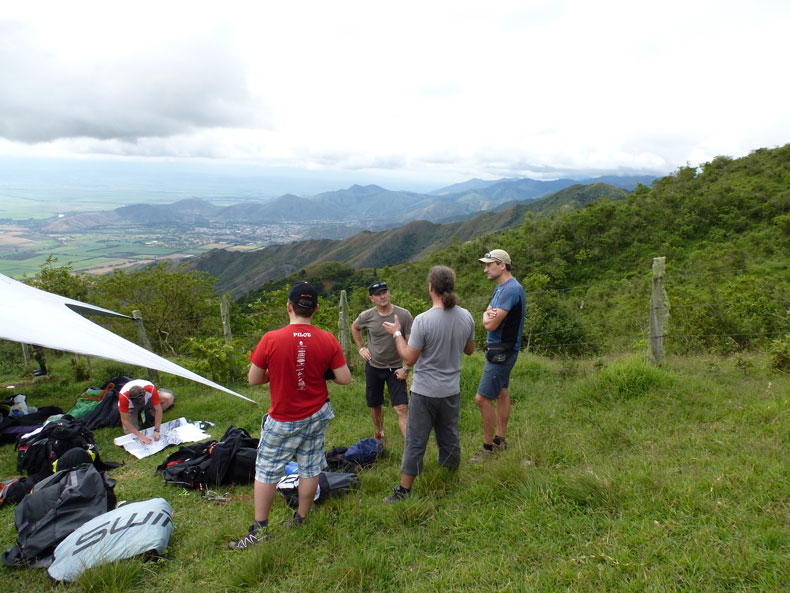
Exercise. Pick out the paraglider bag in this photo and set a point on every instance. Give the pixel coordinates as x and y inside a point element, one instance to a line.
<point>497,352</point>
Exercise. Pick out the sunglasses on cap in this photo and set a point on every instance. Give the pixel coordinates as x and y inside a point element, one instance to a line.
<point>374,288</point>
<point>489,256</point>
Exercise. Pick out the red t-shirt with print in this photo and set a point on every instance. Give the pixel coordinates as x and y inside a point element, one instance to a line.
<point>297,356</point>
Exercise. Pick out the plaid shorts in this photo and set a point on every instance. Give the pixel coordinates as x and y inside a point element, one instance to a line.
<point>282,441</point>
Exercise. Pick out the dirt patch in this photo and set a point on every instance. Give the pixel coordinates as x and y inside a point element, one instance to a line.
<point>109,268</point>
<point>11,235</point>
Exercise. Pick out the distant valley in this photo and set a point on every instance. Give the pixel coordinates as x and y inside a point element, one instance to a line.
<point>137,234</point>
<point>239,273</point>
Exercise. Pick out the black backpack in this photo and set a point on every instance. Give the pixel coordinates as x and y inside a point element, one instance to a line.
<point>56,507</point>
<point>106,413</point>
<point>12,427</point>
<point>36,452</point>
<point>231,460</point>
<point>13,490</point>
<point>330,484</point>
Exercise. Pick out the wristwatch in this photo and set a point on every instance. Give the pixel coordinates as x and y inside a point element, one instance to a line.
<point>396,334</point>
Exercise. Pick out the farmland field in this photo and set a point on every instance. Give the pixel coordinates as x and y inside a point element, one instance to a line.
<point>23,253</point>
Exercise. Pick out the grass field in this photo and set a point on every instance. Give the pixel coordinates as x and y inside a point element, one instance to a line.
<point>18,205</point>
<point>619,477</point>
<point>97,252</point>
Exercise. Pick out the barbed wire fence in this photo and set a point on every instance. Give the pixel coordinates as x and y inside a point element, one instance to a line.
<point>651,314</point>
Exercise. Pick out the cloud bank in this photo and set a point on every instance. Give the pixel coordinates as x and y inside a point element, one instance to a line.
<point>458,89</point>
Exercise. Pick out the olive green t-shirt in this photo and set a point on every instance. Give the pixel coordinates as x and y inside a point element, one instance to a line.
<point>383,352</point>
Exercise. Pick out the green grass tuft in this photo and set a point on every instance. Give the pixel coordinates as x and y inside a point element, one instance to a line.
<point>625,380</point>
<point>115,577</point>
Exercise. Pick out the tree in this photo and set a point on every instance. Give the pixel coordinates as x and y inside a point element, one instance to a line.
<point>175,305</point>
<point>62,280</point>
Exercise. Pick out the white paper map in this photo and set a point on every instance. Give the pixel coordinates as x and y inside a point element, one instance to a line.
<point>174,432</point>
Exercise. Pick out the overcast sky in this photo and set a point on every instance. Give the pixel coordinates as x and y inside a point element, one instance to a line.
<point>450,90</point>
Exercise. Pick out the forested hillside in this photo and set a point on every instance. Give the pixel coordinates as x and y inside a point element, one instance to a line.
<point>724,230</point>
<point>239,273</point>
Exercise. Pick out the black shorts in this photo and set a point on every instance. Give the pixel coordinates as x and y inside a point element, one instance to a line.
<point>374,386</point>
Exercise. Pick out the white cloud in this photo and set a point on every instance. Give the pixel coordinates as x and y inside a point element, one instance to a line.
<point>468,88</point>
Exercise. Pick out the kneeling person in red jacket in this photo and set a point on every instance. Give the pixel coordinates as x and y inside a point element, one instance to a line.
<point>141,395</point>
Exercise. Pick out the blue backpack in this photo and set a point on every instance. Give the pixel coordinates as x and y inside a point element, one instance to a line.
<point>364,453</point>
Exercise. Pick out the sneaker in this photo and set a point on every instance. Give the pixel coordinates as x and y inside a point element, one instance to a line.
<point>254,536</point>
<point>500,443</point>
<point>482,454</point>
<point>296,521</point>
<point>400,493</point>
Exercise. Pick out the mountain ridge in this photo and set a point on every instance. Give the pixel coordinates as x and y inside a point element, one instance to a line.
<point>240,273</point>
<point>355,208</point>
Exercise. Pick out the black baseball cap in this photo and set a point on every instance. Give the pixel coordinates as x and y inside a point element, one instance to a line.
<point>303,294</point>
<point>377,287</point>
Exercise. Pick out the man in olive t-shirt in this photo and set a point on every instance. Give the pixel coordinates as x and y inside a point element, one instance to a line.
<point>382,362</point>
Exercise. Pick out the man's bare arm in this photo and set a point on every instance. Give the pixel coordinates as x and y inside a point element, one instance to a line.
<point>257,375</point>
<point>130,429</point>
<point>408,354</point>
<point>356,334</point>
<point>342,375</point>
<point>493,318</point>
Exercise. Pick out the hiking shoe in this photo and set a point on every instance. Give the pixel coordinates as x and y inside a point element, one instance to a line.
<point>500,443</point>
<point>400,493</point>
<point>482,454</point>
<point>254,536</point>
<point>296,521</point>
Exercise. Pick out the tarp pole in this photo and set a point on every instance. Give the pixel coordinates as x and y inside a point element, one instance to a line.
<point>26,354</point>
<point>153,374</point>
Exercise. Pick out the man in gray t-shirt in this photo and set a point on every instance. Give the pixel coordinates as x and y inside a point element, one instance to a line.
<point>439,338</point>
<point>383,364</point>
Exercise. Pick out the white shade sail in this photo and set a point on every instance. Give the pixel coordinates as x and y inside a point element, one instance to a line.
<point>34,316</point>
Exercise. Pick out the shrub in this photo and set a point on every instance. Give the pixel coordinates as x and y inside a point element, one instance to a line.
<point>220,360</point>
<point>626,380</point>
<point>779,354</point>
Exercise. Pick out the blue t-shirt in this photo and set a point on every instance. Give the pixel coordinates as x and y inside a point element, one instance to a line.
<point>511,297</point>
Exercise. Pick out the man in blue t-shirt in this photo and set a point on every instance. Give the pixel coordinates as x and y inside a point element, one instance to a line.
<point>504,322</point>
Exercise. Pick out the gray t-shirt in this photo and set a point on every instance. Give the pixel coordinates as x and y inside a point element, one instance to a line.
<point>441,336</point>
<point>383,352</point>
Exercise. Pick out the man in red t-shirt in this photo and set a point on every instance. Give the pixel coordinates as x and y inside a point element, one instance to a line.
<point>137,396</point>
<point>296,361</point>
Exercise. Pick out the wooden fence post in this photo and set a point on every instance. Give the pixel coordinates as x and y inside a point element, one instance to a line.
<point>153,374</point>
<point>343,323</point>
<point>659,313</point>
<point>87,362</point>
<point>223,308</point>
